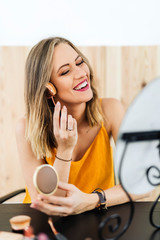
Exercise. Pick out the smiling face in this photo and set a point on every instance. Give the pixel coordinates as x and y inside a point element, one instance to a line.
<point>70,76</point>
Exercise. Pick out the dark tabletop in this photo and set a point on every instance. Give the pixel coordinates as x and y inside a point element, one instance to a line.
<point>85,225</point>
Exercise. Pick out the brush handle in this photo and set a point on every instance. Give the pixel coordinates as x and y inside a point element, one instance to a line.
<point>60,236</point>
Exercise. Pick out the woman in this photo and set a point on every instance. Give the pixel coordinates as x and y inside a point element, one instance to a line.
<point>72,135</point>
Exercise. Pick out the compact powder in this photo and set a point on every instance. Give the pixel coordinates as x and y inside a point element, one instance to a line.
<point>45,179</point>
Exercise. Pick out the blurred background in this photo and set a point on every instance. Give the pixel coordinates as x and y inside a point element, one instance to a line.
<point>120,38</point>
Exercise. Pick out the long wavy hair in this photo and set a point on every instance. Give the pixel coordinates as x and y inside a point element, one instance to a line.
<point>39,110</point>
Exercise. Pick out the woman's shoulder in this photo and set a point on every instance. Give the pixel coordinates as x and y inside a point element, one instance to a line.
<point>113,111</point>
<point>111,103</point>
<point>20,126</point>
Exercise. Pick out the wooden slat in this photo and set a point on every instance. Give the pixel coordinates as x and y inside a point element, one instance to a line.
<point>139,67</point>
<point>12,107</point>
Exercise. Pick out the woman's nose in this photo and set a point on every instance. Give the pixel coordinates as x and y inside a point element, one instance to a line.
<point>79,72</point>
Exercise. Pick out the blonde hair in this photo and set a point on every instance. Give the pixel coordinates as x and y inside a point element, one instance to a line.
<point>39,112</point>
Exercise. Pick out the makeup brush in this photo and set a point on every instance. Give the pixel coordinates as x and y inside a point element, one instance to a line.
<point>58,235</point>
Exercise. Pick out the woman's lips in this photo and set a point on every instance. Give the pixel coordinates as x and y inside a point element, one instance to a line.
<point>82,89</point>
<point>82,86</point>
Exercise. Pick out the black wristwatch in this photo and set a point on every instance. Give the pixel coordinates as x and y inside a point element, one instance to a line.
<point>102,199</point>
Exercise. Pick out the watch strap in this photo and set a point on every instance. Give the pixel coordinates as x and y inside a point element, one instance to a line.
<point>102,199</point>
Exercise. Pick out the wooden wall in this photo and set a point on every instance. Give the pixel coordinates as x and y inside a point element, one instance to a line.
<point>120,72</point>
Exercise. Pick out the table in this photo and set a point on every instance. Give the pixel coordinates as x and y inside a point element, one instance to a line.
<point>85,225</point>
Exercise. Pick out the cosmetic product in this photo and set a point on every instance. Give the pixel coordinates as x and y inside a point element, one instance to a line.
<point>20,222</point>
<point>45,179</point>
<point>58,235</point>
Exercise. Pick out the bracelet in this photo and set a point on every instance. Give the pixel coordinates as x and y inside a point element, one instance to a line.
<point>64,160</point>
<point>102,199</point>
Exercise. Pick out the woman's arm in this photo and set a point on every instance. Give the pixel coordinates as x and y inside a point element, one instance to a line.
<point>28,160</point>
<point>77,201</point>
<point>66,141</point>
<point>116,195</point>
<point>114,112</point>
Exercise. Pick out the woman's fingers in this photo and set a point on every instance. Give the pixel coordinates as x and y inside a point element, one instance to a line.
<point>74,202</point>
<point>55,205</point>
<point>63,121</point>
<point>65,128</point>
<point>74,125</point>
<point>50,209</point>
<point>56,117</point>
<point>70,123</point>
<point>65,186</point>
<point>56,200</point>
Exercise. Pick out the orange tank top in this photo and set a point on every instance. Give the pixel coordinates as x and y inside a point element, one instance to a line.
<point>94,170</point>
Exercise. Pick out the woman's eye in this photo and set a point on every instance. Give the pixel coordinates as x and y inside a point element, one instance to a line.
<point>80,62</point>
<point>64,72</point>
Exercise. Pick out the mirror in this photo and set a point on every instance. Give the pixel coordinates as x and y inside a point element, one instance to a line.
<point>143,115</point>
<point>45,179</point>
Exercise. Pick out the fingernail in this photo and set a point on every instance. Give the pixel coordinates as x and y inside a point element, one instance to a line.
<point>64,107</point>
<point>58,103</point>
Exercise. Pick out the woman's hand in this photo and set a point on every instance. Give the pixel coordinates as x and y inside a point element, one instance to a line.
<point>75,201</point>
<point>65,129</point>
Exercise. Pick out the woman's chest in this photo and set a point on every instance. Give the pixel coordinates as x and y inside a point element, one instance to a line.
<point>84,142</point>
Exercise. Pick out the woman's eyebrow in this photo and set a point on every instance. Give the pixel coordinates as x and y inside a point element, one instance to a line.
<point>67,63</point>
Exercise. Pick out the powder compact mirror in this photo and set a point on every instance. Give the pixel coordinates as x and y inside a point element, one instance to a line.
<point>45,179</point>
